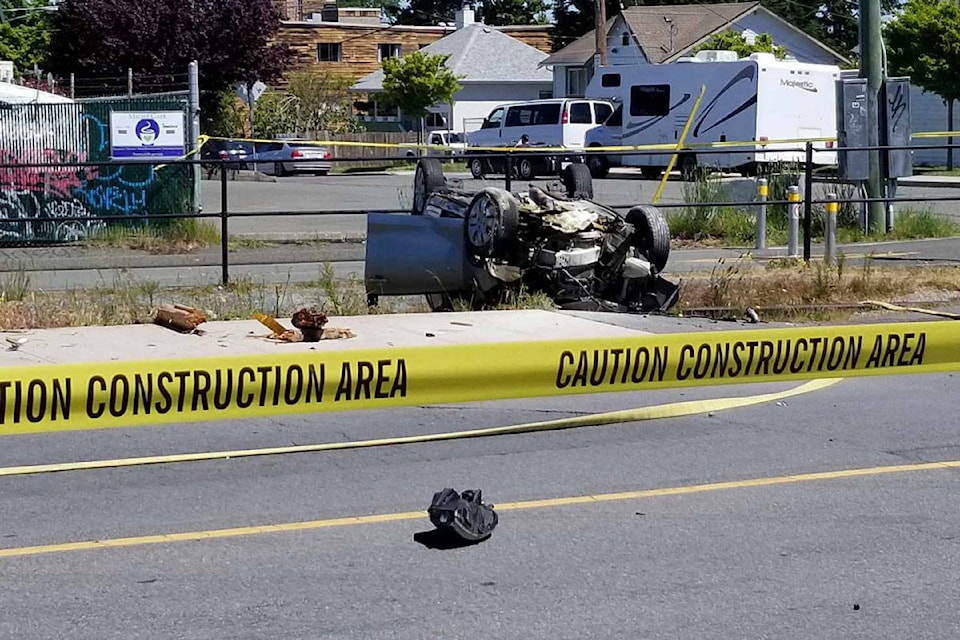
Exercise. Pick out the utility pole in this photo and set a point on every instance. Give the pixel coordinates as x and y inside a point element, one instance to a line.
<point>193,127</point>
<point>600,26</point>
<point>871,68</point>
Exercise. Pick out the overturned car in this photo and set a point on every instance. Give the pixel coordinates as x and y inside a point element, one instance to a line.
<point>476,246</point>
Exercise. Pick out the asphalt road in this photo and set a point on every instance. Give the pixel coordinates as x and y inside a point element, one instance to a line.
<point>844,556</point>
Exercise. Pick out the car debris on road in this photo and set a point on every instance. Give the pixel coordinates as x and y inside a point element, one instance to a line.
<point>464,514</point>
<point>474,247</point>
<point>309,326</point>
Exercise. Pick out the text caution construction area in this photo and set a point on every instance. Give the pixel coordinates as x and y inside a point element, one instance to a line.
<point>120,394</point>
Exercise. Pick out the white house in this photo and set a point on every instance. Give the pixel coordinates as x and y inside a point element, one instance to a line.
<point>492,68</point>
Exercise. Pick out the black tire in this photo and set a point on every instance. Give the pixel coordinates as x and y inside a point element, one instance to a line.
<point>599,166</point>
<point>577,181</point>
<point>651,235</point>
<point>477,168</point>
<point>439,302</point>
<point>491,223</point>
<point>525,168</point>
<point>651,173</point>
<point>689,170</point>
<point>427,180</point>
<point>278,169</point>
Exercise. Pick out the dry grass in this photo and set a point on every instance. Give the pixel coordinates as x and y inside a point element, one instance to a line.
<point>175,237</point>
<point>796,292</point>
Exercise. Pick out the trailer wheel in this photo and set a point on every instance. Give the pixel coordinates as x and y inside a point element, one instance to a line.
<point>492,222</point>
<point>599,166</point>
<point>688,167</point>
<point>428,179</point>
<point>651,235</point>
<point>577,180</point>
<point>476,168</point>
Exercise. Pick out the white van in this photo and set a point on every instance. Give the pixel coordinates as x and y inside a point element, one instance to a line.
<point>544,123</point>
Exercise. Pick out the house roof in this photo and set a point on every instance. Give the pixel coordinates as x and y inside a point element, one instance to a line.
<point>667,32</point>
<point>479,53</point>
<point>16,94</point>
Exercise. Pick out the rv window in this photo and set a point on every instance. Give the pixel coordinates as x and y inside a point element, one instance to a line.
<point>603,111</point>
<point>492,121</point>
<point>610,79</point>
<point>580,113</point>
<point>650,100</point>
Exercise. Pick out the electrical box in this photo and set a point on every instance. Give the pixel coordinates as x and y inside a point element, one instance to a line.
<point>897,126</point>
<point>852,163</point>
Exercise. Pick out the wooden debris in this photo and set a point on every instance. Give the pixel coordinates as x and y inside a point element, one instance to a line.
<point>178,317</point>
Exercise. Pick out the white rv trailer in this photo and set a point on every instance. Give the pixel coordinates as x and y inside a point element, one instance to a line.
<point>750,100</point>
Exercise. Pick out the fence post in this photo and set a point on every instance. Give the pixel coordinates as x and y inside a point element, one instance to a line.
<point>129,82</point>
<point>830,246</point>
<point>224,249</point>
<point>761,228</point>
<point>793,221</point>
<point>808,201</point>
<point>508,164</point>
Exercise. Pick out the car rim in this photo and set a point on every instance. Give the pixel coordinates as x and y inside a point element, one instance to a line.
<point>482,221</point>
<point>476,167</point>
<point>525,168</point>
<point>419,191</point>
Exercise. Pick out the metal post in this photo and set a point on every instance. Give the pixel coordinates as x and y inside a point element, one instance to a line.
<point>193,127</point>
<point>224,249</point>
<point>830,246</point>
<point>129,82</point>
<point>793,221</point>
<point>508,162</point>
<point>808,201</point>
<point>871,68</point>
<point>761,228</point>
<point>73,86</point>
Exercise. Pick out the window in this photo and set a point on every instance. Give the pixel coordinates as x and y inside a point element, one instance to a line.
<point>436,139</point>
<point>650,100</point>
<point>576,81</point>
<point>603,111</point>
<point>533,114</point>
<point>580,113</point>
<point>492,121</point>
<point>328,52</point>
<point>435,120</point>
<point>610,80</point>
<point>624,40</point>
<point>388,50</point>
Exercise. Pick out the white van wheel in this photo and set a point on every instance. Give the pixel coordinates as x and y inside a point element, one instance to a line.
<point>476,168</point>
<point>525,169</point>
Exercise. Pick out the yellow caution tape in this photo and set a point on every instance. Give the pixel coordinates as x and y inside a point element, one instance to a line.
<point>679,145</point>
<point>97,395</point>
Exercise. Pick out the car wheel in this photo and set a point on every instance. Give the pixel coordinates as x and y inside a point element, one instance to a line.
<point>599,166</point>
<point>427,179</point>
<point>577,181</point>
<point>476,168</point>
<point>278,169</point>
<point>320,173</point>
<point>492,222</point>
<point>651,173</point>
<point>525,169</point>
<point>651,235</point>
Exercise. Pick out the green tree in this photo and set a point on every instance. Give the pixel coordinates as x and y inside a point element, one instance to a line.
<point>312,102</point>
<point>574,18</point>
<point>418,81</point>
<point>733,41</point>
<point>492,12</point>
<point>24,33</point>
<point>923,42</point>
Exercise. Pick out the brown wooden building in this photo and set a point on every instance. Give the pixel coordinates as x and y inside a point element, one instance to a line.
<point>354,47</point>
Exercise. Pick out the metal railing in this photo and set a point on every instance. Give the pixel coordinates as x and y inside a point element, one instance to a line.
<point>14,176</point>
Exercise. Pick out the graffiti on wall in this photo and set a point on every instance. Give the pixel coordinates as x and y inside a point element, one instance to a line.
<point>55,199</point>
